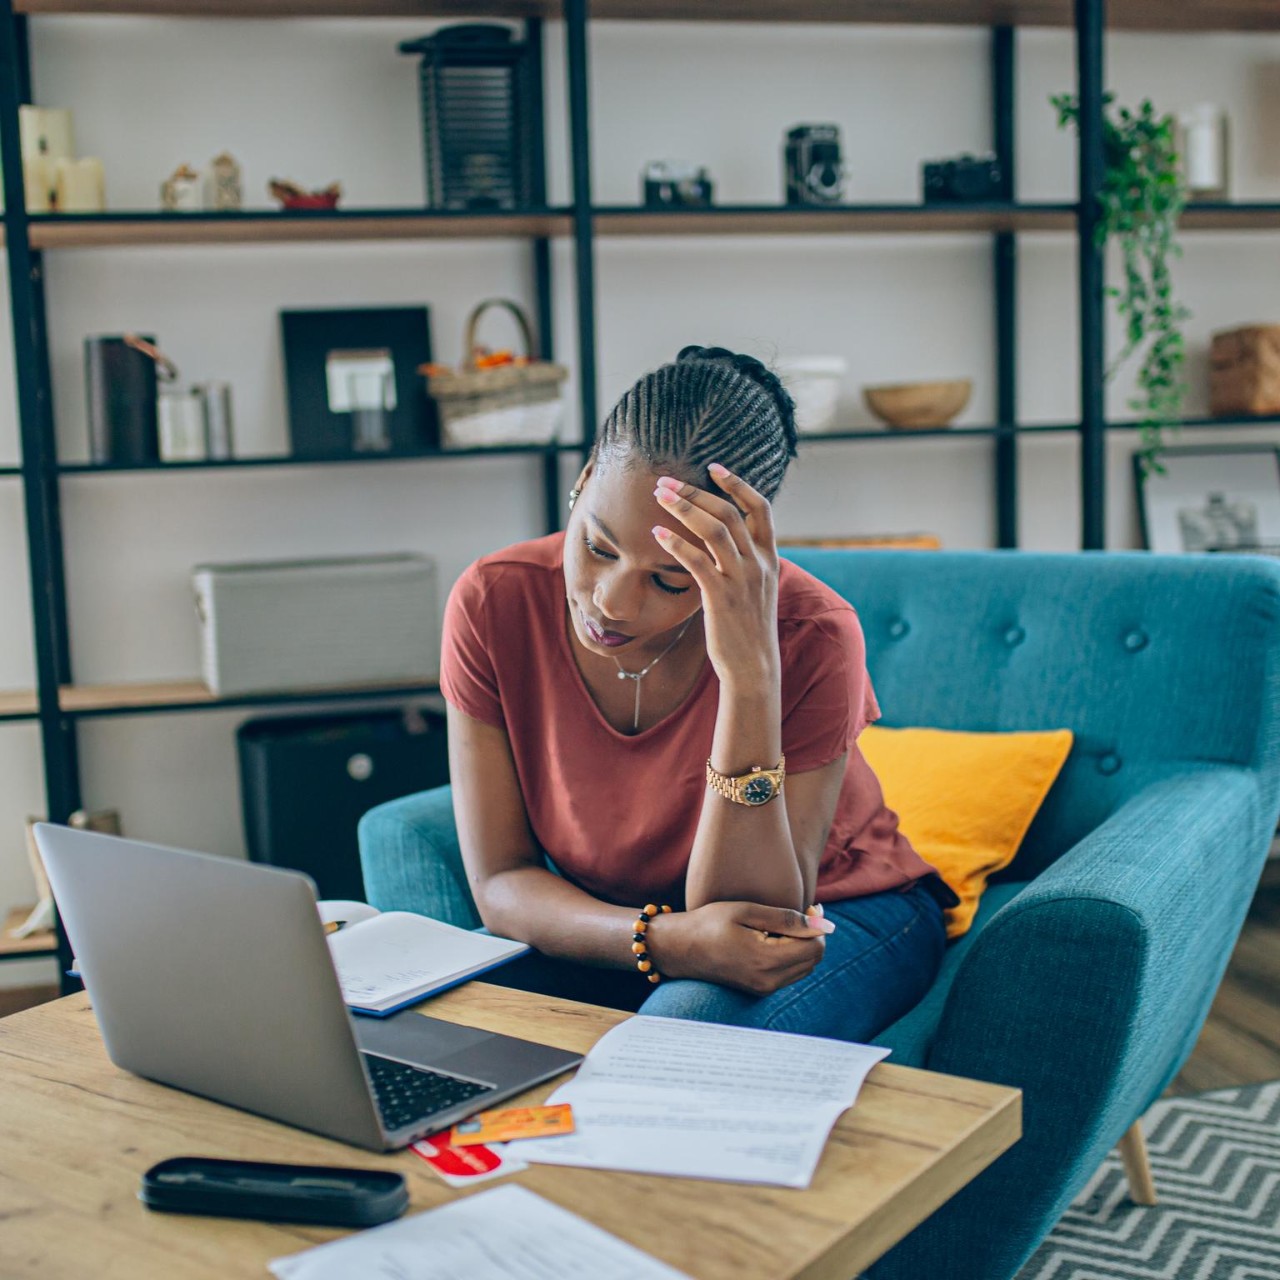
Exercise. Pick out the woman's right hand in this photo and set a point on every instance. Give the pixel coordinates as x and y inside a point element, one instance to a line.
<point>744,945</point>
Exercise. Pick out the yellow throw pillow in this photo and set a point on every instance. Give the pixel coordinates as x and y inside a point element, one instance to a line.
<point>965,800</point>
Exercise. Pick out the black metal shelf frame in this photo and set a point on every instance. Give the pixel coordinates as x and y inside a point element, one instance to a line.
<point>41,473</point>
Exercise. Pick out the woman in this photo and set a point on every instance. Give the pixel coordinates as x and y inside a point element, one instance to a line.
<point>652,738</point>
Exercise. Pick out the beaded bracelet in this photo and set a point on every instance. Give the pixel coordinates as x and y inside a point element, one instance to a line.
<point>638,947</point>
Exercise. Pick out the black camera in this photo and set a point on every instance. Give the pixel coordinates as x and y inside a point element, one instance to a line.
<point>964,180</point>
<point>669,184</point>
<point>811,165</point>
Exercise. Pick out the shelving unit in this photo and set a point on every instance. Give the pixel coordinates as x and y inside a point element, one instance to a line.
<point>122,230</point>
<point>58,703</point>
<point>30,948</point>
<point>288,460</point>
<point>1124,15</point>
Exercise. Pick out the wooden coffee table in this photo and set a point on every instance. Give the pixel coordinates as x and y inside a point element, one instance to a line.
<point>77,1133</point>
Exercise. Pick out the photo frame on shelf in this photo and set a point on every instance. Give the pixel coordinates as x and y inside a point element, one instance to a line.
<point>383,406</point>
<point>1211,498</point>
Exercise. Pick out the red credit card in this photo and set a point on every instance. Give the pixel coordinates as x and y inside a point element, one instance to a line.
<point>465,1166</point>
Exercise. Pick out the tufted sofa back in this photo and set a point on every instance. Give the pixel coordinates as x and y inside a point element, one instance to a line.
<point>1142,656</point>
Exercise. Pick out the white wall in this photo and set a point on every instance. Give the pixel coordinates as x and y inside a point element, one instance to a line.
<point>315,101</point>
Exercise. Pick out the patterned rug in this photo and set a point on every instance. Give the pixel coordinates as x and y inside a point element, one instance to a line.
<point>1216,1161</point>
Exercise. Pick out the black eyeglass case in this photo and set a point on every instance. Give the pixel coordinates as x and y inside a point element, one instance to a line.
<point>304,1193</point>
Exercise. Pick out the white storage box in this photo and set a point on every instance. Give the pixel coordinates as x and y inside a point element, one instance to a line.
<point>303,624</point>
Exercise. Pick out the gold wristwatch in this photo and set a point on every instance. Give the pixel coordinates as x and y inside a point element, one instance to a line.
<point>757,787</point>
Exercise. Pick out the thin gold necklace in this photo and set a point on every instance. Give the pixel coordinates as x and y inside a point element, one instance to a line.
<point>637,676</point>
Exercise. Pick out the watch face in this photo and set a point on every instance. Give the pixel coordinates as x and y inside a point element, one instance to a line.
<point>758,790</point>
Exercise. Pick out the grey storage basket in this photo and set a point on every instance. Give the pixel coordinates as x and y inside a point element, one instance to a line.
<point>287,625</point>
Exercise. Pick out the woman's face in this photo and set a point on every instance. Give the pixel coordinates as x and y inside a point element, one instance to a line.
<point>626,593</point>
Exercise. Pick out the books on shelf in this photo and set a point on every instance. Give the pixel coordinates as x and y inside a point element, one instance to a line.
<point>391,959</point>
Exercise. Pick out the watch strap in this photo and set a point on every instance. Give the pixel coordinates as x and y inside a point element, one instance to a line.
<point>735,787</point>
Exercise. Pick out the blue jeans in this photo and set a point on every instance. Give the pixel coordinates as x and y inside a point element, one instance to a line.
<point>879,962</point>
<point>882,958</point>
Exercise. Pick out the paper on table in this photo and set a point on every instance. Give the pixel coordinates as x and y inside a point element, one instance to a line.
<point>700,1100</point>
<point>508,1233</point>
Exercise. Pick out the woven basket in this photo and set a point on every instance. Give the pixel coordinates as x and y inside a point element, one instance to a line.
<point>517,403</point>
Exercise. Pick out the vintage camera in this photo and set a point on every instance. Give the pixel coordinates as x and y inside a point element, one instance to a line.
<point>963,180</point>
<point>672,184</point>
<point>811,165</point>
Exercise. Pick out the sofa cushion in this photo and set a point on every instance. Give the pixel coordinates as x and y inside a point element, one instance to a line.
<point>965,800</point>
<point>911,1036</point>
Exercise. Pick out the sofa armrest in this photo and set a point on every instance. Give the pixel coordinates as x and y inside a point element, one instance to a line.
<point>1087,992</point>
<point>411,861</point>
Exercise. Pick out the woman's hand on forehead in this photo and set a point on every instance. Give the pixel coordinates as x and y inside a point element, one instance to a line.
<point>736,567</point>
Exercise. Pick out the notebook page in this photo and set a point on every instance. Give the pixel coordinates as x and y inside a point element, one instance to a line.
<point>395,954</point>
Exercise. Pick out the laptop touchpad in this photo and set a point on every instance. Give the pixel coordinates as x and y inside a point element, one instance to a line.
<point>421,1040</point>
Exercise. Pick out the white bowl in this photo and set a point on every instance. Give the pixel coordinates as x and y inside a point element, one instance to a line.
<point>814,384</point>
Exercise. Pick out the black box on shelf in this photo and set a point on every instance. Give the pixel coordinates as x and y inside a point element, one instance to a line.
<point>964,180</point>
<point>306,781</point>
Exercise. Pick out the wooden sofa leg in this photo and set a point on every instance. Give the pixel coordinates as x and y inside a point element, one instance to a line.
<point>1137,1167</point>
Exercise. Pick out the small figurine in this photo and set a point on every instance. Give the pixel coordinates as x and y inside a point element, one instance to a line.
<point>223,189</point>
<point>292,196</point>
<point>180,191</point>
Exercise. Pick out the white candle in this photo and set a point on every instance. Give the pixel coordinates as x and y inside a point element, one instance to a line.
<point>46,131</point>
<point>38,182</point>
<point>81,185</point>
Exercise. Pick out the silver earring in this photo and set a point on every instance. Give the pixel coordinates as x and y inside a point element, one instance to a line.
<point>574,495</point>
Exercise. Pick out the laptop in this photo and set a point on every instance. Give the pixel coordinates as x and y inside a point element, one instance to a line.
<point>213,975</point>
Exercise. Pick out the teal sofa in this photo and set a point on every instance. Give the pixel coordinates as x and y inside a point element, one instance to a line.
<point>1095,956</point>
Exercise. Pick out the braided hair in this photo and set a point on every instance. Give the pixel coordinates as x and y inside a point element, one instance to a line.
<point>709,405</point>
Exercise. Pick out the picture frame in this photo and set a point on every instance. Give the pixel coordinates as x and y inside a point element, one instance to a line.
<point>1211,498</point>
<point>398,336</point>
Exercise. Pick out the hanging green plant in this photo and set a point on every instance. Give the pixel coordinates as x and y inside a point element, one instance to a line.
<point>1142,198</point>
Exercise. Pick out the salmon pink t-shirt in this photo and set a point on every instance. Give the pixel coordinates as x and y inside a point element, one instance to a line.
<point>617,813</point>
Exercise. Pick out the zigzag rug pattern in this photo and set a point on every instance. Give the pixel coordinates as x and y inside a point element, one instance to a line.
<point>1216,1161</point>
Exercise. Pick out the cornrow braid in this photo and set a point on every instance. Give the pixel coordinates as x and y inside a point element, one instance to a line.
<point>709,405</point>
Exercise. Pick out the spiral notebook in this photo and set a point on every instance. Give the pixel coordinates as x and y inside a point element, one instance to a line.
<point>389,959</point>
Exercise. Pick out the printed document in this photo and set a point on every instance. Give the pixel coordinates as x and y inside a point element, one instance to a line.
<point>508,1233</point>
<point>700,1100</point>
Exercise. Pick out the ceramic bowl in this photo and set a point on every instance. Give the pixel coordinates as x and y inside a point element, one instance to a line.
<point>913,406</point>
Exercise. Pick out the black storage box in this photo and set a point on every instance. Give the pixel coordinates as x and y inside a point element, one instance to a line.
<point>306,781</point>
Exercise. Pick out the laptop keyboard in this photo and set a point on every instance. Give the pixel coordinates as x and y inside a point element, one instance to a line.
<point>408,1095</point>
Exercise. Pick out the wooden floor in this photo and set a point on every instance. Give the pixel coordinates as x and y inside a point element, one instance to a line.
<point>1240,1043</point>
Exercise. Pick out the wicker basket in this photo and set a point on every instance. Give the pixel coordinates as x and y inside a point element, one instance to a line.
<point>517,403</point>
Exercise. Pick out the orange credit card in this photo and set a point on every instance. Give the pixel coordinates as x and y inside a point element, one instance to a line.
<point>511,1124</point>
